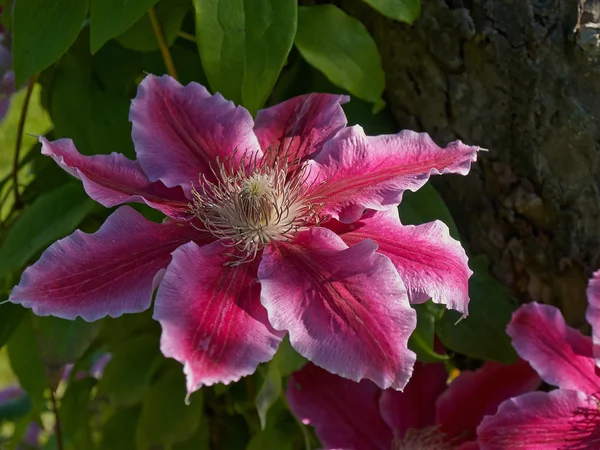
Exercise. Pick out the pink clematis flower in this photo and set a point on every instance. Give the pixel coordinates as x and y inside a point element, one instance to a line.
<point>566,418</point>
<point>428,415</point>
<point>266,235</point>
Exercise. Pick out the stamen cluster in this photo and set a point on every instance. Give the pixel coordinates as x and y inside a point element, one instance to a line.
<point>254,202</point>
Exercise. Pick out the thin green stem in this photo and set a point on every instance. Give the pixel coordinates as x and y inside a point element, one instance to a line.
<point>162,43</point>
<point>57,426</point>
<point>187,36</point>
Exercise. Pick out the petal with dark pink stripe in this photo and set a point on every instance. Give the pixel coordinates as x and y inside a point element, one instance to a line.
<point>346,309</point>
<point>108,273</point>
<point>430,262</point>
<point>301,126</point>
<point>474,394</point>
<point>593,313</point>
<point>415,407</point>
<point>211,316</point>
<point>562,419</point>
<point>113,179</point>
<point>345,414</point>
<point>180,131</point>
<point>561,355</point>
<point>355,171</point>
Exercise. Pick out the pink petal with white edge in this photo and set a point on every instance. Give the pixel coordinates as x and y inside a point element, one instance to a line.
<point>430,262</point>
<point>301,126</point>
<point>561,355</point>
<point>593,313</point>
<point>180,131</point>
<point>345,414</point>
<point>113,179</point>
<point>211,316</point>
<point>346,309</point>
<point>355,172</point>
<point>561,419</point>
<point>415,407</point>
<point>108,273</point>
<point>474,394</point>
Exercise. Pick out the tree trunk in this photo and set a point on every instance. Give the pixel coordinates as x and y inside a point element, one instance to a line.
<point>522,79</point>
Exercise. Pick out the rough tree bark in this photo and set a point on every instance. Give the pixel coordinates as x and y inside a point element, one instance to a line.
<point>522,79</point>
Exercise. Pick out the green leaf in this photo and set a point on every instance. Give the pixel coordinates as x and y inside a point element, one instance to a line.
<point>243,45</point>
<point>75,414</point>
<point>426,205</point>
<point>109,18</point>
<point>402,10</point>
<point>10,318</point>
<point>483,333</point>
<point>52,216</point>
<point>166,419</point>
<point>61,341</point>
<point>127,375</point>
<point>268,393</point>
<point>341,47</point>
<point>36,123</point>
<point>15,408</point>
<point>277,433</point>
<point>140,36</point>
<point>285,361</point>
<point>43,31</point>
<point>119,431</point>
<point>422,339</point>
<point>25,362</point>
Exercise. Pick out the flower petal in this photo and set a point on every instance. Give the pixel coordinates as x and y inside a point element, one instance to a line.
<point>345,414</point>
<point>430,262</point>
<point>355,171</point>
<point>415,407</point>
<point>560,419</point>
<point>346,309</point>
<point>113,179</point>
<point>561,355</point>
<point>211,316</point>
<point>180,131</point>
<point>593,313</point>
<point>108,273</point>
<point>301,125</point>
<point>474,394</point>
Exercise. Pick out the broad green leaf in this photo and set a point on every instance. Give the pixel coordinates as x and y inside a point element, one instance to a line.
<point>109,18</point>
<point>52,216</point>
<point>36,123</point>
<point>42,31</point>
<point>278,433</point>
<point>426,205</point>
<point>199,441</point>
<point>402,10</point>
<point>61,341</point>
<point>127,375</point>
<point>422,339</point>
<point>483,333</point>
<point>25,361</point>
<point>141,35</point>
<point>243,45</point>
<point>166,419</point>
<point>75,414</point>
<point>10,318</point>
<point>287,359</point>
<point>342,48</point>
<point>119,431</point>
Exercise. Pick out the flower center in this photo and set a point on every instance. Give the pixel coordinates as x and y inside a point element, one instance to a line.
<point>249,209</point>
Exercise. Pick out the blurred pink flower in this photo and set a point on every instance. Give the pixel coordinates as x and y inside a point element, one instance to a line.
<point>428,415</point>
<point>566,418</point>
<point>283,224</point>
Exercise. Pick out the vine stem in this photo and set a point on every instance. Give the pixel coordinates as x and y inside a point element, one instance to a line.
<point>22,118</point>
<point>57,427</point>
<point>162,43</point>
<point>187,36</point>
